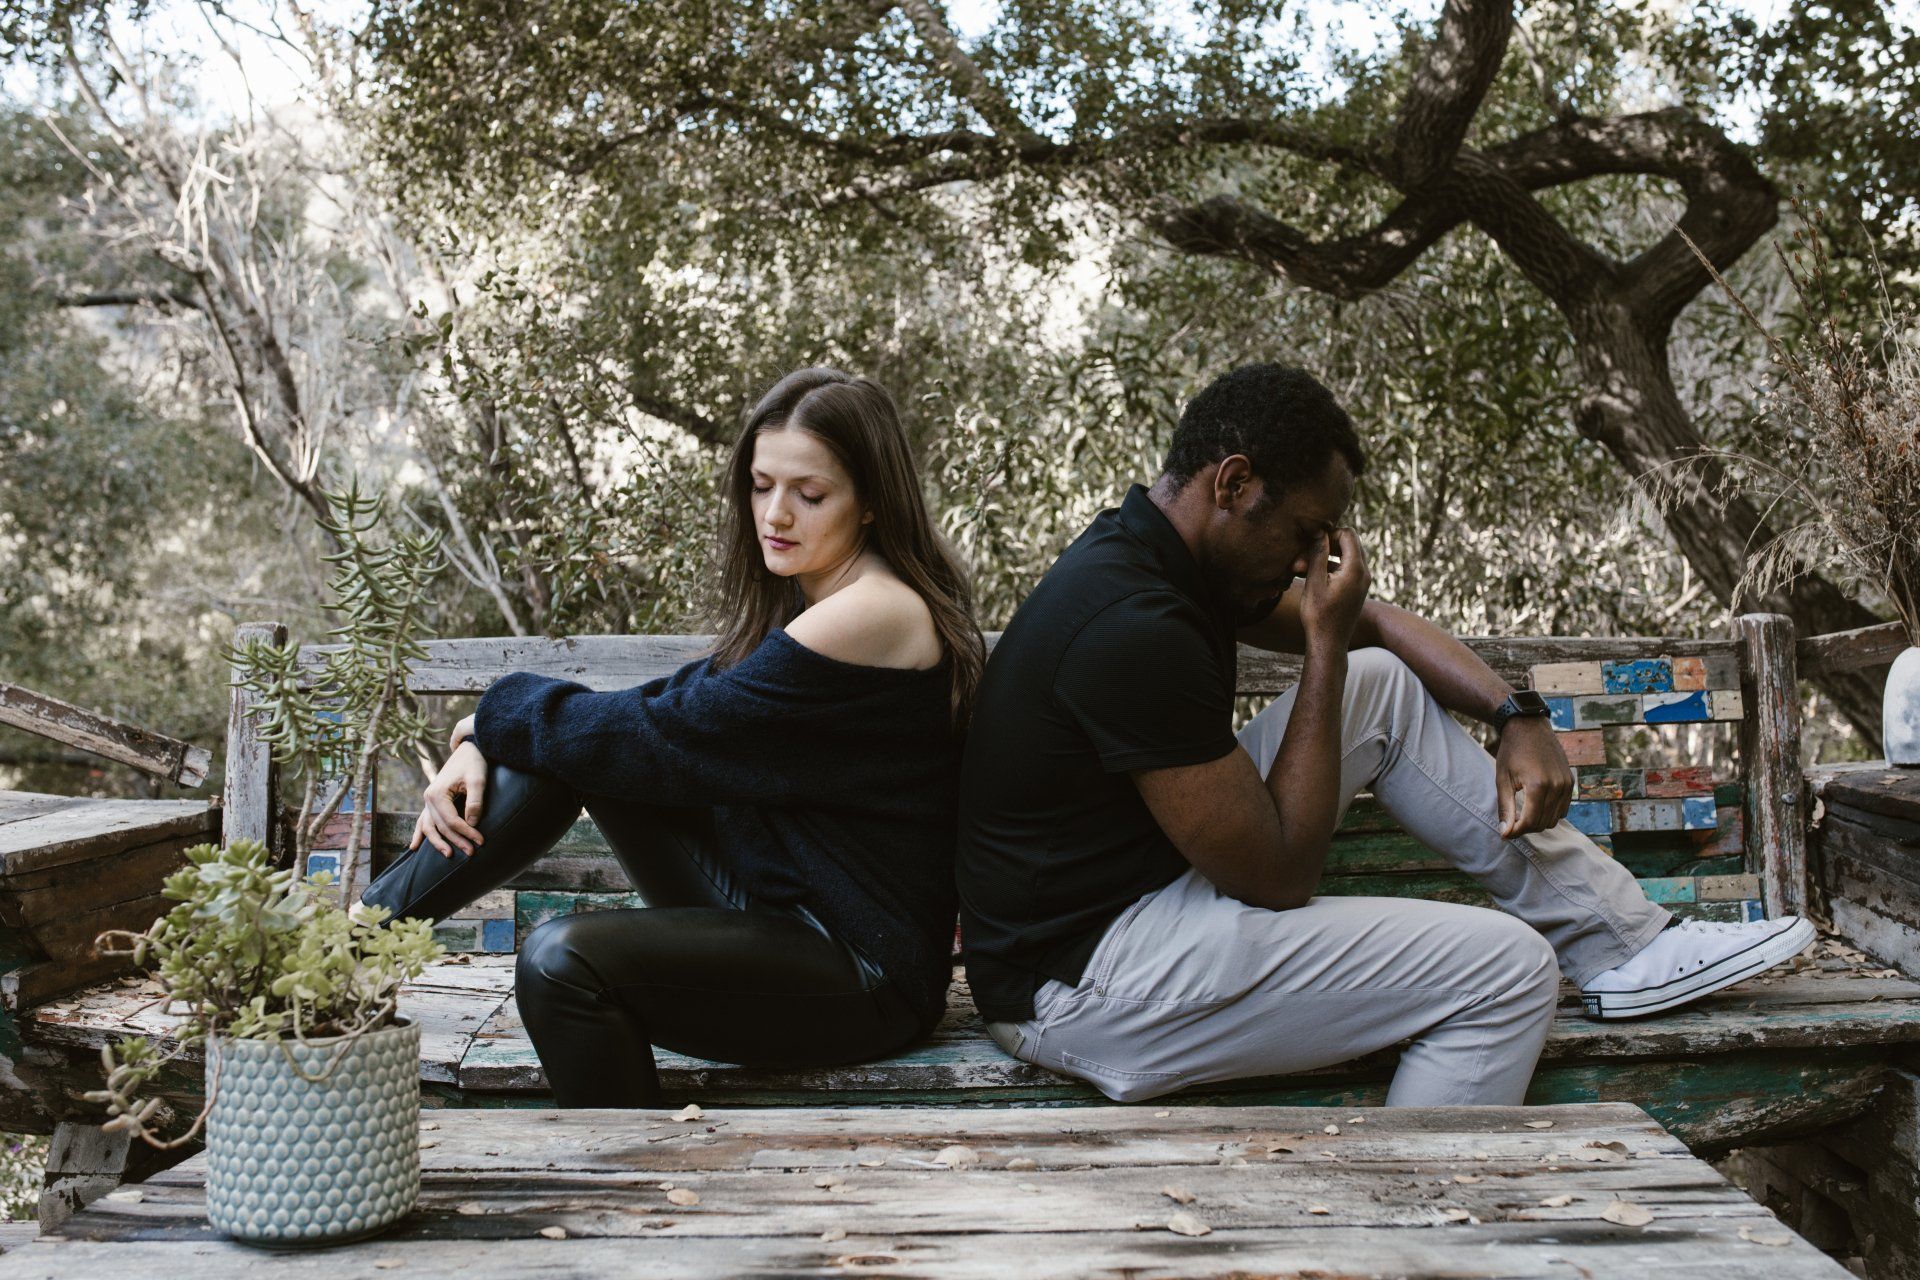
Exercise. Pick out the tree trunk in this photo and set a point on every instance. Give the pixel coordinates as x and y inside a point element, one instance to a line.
<point>1629,406</point>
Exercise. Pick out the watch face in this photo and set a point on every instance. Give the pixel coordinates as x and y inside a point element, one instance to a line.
<point>1529,703</point>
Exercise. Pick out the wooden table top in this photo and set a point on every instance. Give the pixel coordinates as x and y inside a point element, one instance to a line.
<point>1594,1189</point>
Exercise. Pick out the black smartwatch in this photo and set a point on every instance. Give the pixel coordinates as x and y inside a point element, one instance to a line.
<point>1521,702</point>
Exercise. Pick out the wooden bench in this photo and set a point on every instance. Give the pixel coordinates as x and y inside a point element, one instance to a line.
<point>1180,1192</point>
<point>1775,1057</point>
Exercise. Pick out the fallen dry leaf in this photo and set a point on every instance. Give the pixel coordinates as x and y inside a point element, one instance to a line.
<point>470,1208</point>
<point>1539,1124</point>
<point>957,1157</point>
<point>1021,1164</point>
<point>425,1124</point>
<point>1161,1115</point>
<point>1185,1224</point>
<point>833,1233</point>
<point>1557,1202</point>
<point>683,1196</point>
<point>1468,1177</point>
<point>127,1195</point>
<point>1626,1214</point>
<point>1332,1128</point>
<point>554,1233</point>
<point>1775,1236</point>
<point>871,1164</point>
<point>691,1111</point>
<point>1318,1209</point>
<point>1456,1215</point>
<point>1179,1195</point>
<point>429,1143</point>
<point>828,1180</point>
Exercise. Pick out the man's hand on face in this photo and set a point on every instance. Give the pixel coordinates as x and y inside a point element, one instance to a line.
<point>1535,784</point>
<point>1331,603</point>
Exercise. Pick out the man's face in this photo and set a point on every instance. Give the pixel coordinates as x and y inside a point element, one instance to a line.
<point>1261,545</point>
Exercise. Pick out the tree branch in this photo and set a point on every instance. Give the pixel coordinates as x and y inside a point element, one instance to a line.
<point>964,73</point>
<point>1448,88</point>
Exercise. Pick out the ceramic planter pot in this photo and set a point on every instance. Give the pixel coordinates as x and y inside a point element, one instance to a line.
<point>1900,709</point>
<point>292,1162</point>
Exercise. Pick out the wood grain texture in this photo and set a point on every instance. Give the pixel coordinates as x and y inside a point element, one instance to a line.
<point>1463,1192</point>
<point>155,753</point>
<point>1770,744</point>
<point>251,793</point>
<point>95,829</point>
<point>620,662</point>
<point>1850,650</point>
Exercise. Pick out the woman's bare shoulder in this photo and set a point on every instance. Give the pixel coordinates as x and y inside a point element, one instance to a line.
<point>876,622</point>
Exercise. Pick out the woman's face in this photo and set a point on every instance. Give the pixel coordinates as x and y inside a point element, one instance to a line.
<point>805,511</point>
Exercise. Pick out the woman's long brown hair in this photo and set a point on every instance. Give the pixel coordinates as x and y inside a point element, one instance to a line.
<point>856,419</point>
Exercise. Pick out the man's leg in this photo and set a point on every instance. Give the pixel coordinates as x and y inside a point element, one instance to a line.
<point>1189,986</point>
<point>1438,783</point>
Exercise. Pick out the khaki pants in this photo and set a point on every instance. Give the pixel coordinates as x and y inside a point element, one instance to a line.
<point>1189,986</point>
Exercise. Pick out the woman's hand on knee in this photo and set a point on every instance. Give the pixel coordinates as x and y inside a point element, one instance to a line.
<point>443,823</point>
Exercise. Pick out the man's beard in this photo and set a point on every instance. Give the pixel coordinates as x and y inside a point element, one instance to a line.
<point>1245,615</point>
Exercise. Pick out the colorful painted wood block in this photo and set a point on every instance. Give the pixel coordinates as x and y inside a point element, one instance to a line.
<point>1689,674</point>
<point>1697,813</point>
<point>1608,784</point>
<point>1646,815</point>
<point>1593,817</point>
<point>1560,712</point>
<point>1605,841</point>
<point>458,935</point>
<point>1592,713</point>
<point>1735,888</point>
<point>1569,678</point>
<point>1753,909</point>
<point>1723,671</point>
<point>1673,708</point>
<point>1729,835</point>
<point>534,907</point>
<point>1638,675</point>
<point>1686,780</point>
<point>1670,889</point>
<point>1587,746</point>
<point>328,862</point>
<point>497,935</point>
<point>1727,704</point>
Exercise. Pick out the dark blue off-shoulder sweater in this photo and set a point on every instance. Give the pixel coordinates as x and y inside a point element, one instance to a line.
<point>833,785</point>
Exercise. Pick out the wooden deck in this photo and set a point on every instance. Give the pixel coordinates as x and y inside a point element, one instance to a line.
<point>1596,1190</point>
<point>1772,1055</point>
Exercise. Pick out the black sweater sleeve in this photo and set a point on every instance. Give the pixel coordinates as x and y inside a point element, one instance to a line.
<point>744,735</point>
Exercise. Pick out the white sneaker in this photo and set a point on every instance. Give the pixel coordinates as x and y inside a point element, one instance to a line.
<point>1692,959</point>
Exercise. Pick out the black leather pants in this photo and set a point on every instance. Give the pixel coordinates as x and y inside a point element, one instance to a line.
<point>700,970</point>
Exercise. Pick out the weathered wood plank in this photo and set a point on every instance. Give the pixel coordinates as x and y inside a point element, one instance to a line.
<point>62,721</point>
<point>1850,650</point>
<point>253,779</point>
<point>16,806</point>
<point>1770,744</point>
<point>39,897</point>
<point>1398,1196</point>
<point>98,828</point>
<point>619,662</point>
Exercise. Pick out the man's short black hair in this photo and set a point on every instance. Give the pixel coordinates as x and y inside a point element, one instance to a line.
<point>1280,417</point>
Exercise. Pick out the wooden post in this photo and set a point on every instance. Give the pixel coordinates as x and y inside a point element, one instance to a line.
<point>1770,742</point>
<point>253,779</point>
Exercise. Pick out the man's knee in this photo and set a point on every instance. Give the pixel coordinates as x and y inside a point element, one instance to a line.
<point>1528,960</point>
<point>1374,665</point>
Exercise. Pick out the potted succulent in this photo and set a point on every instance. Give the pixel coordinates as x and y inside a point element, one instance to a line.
<point>312,1077</point>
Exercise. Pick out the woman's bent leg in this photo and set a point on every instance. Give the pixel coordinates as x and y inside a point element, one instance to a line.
<point>671,854</point>
<point>526,814</point>
<point>598,991</point>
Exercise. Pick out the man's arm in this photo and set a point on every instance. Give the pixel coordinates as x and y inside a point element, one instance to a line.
<point>1535,783</point>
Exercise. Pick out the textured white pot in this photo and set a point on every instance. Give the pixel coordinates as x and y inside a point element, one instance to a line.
<point>293,1162</point>
<point>1900,709</point>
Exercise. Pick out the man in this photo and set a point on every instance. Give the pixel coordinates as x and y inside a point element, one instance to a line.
<point>1137,884</point>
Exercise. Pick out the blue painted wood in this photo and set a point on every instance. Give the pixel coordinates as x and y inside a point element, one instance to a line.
<point>496,935</point>
<point>1669,889</point>
<point>1697,813</point>
<point>1560,712</point>
<point>1594,817</point>
<point>1674,708</point>
<point>1640,675</point>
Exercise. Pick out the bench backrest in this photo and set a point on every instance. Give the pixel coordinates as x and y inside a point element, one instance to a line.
<point>1710,838</point>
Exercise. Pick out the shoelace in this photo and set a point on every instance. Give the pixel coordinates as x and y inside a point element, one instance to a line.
<point>1709,926</point>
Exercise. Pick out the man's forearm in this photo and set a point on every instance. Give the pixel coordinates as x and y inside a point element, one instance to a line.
<point>1457,676</point>
<point>1305,778</point>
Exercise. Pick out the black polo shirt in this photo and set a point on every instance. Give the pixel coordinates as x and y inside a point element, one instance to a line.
<point>1116,662</point>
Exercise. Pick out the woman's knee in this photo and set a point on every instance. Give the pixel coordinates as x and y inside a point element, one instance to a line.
<point>556,953</point>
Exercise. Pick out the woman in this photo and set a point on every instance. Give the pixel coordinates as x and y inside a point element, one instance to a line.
<point>785,807</point>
